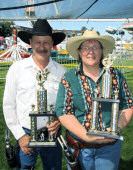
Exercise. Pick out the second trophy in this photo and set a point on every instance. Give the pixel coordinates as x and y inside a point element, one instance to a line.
<point>108,96</point>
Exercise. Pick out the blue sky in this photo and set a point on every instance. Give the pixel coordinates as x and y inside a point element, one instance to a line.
<point>77,25</point>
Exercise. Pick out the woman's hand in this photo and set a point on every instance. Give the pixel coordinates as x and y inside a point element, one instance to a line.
<point>100,139</point>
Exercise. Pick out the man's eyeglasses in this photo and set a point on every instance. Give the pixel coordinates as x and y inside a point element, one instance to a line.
<point>94,48</point>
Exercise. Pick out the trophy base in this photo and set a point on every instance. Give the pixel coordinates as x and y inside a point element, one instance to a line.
<point>35,144</point>
<point>106,134</point>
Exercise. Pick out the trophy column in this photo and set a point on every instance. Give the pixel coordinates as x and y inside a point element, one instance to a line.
<point>94,112</point>
<point>51,120</point>
<point>33,125</point>
<point>42,92</point>
<point>114,115</point>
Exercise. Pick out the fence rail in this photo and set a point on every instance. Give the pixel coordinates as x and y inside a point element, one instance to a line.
<point>126,64</point>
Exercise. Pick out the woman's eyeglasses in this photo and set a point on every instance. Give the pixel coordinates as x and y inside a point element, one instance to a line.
<point>94,48</point>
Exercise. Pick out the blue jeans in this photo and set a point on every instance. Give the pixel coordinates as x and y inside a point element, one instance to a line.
<point>106,157</point>
<point>51,157</point>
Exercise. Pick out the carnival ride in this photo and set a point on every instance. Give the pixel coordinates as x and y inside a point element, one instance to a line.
<point>122,45</point>
<point>128,25</point>
<point>15,52</point>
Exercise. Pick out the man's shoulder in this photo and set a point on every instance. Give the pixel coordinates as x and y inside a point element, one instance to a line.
<point>21,61</point>
<point>16,64</point>
<point>19,64</point>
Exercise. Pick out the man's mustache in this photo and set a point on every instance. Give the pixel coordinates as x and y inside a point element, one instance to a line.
<point>42,51</point>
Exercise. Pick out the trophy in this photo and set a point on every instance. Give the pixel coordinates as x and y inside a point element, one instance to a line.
<point>95,128</point>
<point>40,137</point>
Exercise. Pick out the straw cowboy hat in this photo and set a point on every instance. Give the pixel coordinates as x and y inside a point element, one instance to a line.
<point>42,28</point>
<point>73,43</point>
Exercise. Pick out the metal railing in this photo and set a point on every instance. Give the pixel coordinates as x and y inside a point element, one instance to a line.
<point>124,63</point>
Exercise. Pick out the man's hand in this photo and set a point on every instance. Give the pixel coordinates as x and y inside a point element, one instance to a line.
<point>54,127</point>
<point>23,143</point>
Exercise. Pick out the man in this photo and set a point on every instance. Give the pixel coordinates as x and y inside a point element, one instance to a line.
<point>20,93</point>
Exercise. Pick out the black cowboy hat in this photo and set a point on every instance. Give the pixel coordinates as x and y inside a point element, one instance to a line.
<point>42,28</point>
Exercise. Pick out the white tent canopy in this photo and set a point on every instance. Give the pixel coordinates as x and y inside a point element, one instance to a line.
<point>65,9</point>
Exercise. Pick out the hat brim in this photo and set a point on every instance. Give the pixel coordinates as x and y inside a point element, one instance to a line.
<point>73,44</point>
<point>57,37</point>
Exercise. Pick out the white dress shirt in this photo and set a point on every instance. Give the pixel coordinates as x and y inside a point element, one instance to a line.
<point>21,92</point>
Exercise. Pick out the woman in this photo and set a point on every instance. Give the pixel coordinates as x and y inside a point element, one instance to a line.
<point>74,102</point>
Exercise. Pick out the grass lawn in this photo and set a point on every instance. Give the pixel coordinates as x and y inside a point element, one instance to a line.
<point>126,162</point>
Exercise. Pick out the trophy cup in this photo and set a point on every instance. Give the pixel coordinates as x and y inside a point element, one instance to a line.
<point>105,97</point>
<point>40,137</point>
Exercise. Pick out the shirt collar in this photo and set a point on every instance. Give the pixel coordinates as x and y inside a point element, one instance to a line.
<point>30,63</point>
<point>51,65</point>
<point>79,70</point>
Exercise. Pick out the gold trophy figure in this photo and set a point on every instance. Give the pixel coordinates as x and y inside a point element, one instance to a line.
<point>106,97</point>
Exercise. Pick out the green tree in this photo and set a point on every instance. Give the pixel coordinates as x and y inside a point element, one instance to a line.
<point>118,39</point>
<point>83,29</point>
<point>6,29</point>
